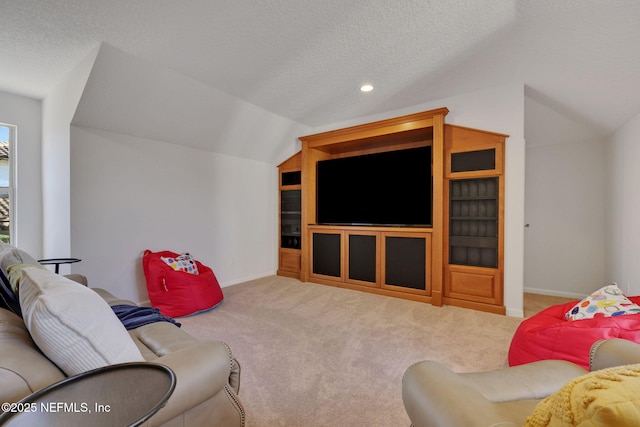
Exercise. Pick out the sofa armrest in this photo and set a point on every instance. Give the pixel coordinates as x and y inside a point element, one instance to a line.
<point>433,395</point>
<point>234,375</point>
<point>23,367</point>
<point>535,380</point>
<point>80,278</point>
<point>202,371</point>
<point>110,298</point>
<point>613,352</point>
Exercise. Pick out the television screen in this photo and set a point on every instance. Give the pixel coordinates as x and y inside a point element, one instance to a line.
<point>387,189</point>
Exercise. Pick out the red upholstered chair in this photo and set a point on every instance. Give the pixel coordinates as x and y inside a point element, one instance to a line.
<point>547,335</point>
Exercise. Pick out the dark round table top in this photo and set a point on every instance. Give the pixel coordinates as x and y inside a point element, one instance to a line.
<point>126,394</point>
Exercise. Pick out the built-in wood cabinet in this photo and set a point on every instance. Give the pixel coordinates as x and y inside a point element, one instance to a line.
<point>473,256</point>
<point>375,259</point>
<point>402,258</point>
<point>457,259</point>
<point>290,217</point>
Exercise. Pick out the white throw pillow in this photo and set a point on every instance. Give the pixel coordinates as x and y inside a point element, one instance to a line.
<point>71,324</point>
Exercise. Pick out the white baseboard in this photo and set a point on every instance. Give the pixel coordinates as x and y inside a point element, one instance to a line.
<point>247,279</point>
<point>554,293</point>
<point>514,313</point>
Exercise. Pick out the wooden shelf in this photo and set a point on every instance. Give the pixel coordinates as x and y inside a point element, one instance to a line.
<point>474,250</point>
<point>290,220</point>
<point>362,256</point>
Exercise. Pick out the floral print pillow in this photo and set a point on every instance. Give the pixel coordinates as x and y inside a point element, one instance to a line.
<point>183,262</point>
<point>607,301</point>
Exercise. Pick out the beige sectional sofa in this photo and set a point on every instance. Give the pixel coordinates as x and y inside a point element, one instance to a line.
<point>207,374</point>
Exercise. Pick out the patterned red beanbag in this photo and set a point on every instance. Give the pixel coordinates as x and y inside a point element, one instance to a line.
<point>178,291</point>
<point>548,335</point>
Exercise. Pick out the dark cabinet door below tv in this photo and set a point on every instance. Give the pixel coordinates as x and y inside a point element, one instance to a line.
<point>327,254</point>
<point>363,258</point>
<point>405,262</point>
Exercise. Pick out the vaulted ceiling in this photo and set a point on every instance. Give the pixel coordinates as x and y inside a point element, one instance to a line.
<point>305,60</point>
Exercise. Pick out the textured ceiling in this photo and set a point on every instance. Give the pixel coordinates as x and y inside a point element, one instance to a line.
<point>304,60</point>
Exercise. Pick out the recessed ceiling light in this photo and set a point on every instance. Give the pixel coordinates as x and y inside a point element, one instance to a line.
<point>366,88</point>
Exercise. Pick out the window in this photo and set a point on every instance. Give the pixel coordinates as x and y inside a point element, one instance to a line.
<point>7,182</point>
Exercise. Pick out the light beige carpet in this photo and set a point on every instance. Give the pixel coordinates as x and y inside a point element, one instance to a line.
<point>314,355</point>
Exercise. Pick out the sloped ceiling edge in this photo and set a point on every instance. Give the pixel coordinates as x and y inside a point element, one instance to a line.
<point>127,95</point>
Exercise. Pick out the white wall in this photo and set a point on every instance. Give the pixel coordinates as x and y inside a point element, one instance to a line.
<point>622,212</point>
<point>57,111</point>
<point>565,209</point>
<point>117,210</point>
<point>129,194</point>
<point>498,109</point>
<point>26,114</point>
<point>139,126</point>
<point>564,197</point>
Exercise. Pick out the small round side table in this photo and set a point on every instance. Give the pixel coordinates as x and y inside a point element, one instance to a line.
<point>126,394</point>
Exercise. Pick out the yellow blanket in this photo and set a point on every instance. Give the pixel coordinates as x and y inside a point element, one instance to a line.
<point>14,273</point>
<point>609,397</point>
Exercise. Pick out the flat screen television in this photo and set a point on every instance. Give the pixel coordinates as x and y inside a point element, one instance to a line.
<point>383,189</point>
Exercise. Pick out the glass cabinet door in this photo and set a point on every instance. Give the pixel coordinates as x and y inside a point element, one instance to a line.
<point>290,219</point>
<point>473,222</point>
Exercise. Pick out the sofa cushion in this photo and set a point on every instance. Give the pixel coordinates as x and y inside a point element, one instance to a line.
<point>71,324</point>
<point>609,397</point>
<point>23,367</point>
<point>10,256</point>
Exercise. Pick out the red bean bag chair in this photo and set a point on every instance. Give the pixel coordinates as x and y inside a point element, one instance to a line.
<point>179,285</point>
<point>548,335</point>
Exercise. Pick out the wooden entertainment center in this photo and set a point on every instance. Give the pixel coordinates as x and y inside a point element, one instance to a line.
<point>457,260</point>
